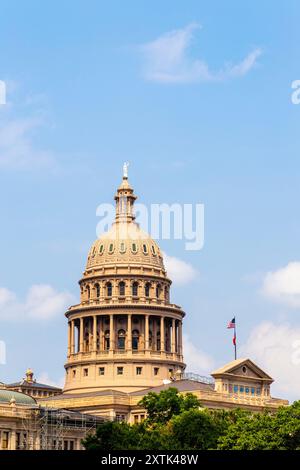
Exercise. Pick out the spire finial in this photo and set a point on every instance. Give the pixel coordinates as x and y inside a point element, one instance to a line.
<point>125,169</point>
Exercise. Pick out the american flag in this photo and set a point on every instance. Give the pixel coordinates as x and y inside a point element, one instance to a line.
<point>231,324</point>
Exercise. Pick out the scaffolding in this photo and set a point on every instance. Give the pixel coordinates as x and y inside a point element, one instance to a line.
<point>48,428</point>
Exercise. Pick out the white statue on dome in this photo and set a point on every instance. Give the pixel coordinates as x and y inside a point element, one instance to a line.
<point>125,169</point>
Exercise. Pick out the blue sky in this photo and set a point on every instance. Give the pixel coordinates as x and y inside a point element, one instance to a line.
<point>197,96</point>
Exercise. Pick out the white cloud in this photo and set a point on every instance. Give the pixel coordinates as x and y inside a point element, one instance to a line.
<point>276,349</point>
<point>197,361</point>
<point>283,285</point>
<point>42,302</point>
<point>17,149</point>
<point>167,60</point>
<point>44,378</point>
<point>179,271</point>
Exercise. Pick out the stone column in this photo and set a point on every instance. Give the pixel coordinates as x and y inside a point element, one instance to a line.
<point>180,337</point>
<point>111,333</point>
<point>129,332</point>
<point>95,333</point>
<point>173,342</point>
<point>12,440</point>
<point>81,335</point>
<point>146,332</point>
<point>69,338</point>
<point>154,333</point>
<point>162,334</point>
<point>101,333</point>
<point>72,338</point>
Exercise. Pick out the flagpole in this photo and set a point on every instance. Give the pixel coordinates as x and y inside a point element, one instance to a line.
<point>235,338</point>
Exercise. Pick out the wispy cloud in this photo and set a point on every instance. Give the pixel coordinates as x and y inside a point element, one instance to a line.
<point>283,285</point>
<point>197,361</point>
<point>22,121</point>
<point>17,148</point>
<point>276,348</point>
<point>166,60</point>
<point>42,302</point>
<point>44,378</point>
<point>179,271</point>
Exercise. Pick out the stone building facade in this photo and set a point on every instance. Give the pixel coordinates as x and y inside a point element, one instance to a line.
<point>125,335</point>
<point>26,425</point>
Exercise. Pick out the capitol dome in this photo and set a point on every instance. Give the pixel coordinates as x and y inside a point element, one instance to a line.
<point>125,334</point>
<point>125,243</point>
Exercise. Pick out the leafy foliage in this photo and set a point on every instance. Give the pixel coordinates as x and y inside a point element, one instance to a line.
<point>177,421</point>
<point>161,407</point>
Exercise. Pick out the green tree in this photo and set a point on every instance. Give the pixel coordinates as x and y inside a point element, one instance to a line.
<point>161,407</point>
<point>112,435</point>
<point>278,430</point>
<point>194,429</point>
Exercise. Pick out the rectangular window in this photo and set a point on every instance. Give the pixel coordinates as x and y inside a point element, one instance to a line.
<point>85,372</point>
<point>101,370</point>
<point>71,447</point>
<point>136,419</point>
<point>120,370</point>
<point>5,436</point>
<point>142,417</point>
<point>258,392</point>
<point>139,370</point>
<point>235,388</point>
<point>156,370</point>
<point>120,418</point>
<point>252,391</point>
<point>247,389</point>
<point>241,389</point>
<point>18,440</point>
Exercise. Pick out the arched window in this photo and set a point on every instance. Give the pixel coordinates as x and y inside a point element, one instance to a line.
<point>158,289</point>
<point>122,288</point>
<point>147,289</point>
<point>121,339</point>
<point>135,288</point>
<point>167,293</point>
<point>109,289</point>
<point>145,249</point>
<point>97,289</point>
<point>135,339</point>
<point>106,340</point>
<point>88,292</point>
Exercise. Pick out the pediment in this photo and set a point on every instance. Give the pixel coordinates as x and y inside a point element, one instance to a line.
<point>242,368</point>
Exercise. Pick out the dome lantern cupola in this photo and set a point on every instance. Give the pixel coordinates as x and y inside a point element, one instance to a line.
<point>125,199</point>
